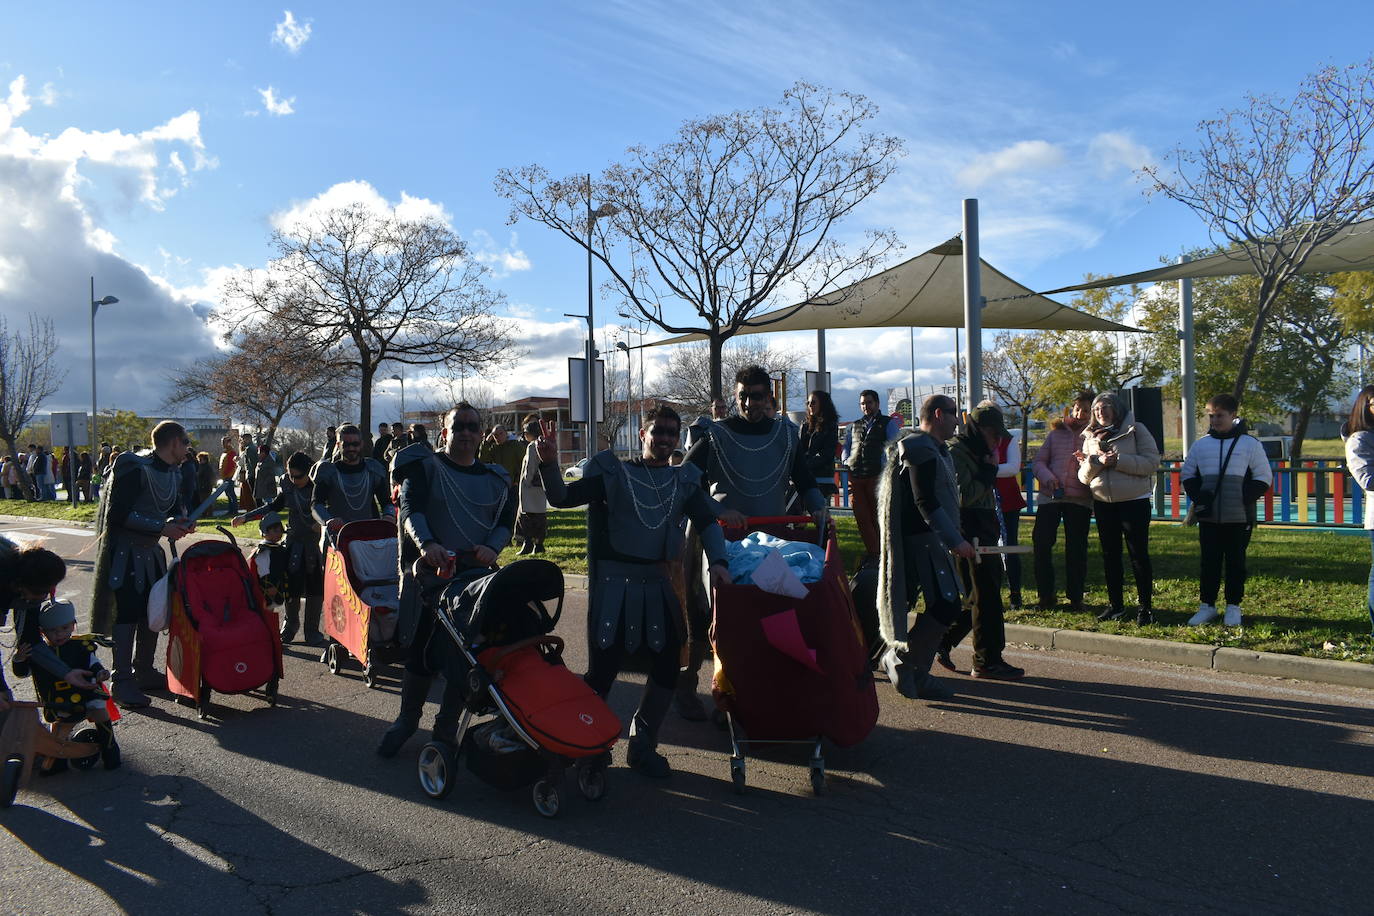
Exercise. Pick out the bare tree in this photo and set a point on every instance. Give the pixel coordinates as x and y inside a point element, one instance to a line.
<point>1015,370</point>
<point>686,379</point>
<point>273,370</point>
<point>736,213</point>
<point>392,289</point>
<point>29,375</point>
<point>1279,177</point>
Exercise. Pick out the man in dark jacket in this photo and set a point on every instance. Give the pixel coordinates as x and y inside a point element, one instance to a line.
<point>975,467</point>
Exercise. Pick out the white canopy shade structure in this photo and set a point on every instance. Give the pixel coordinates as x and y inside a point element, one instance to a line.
<point>1350,249</point>
<point>926,291</point>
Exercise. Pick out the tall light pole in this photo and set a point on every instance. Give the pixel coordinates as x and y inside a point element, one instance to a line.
<point>402,380</point>
<point>592,217</point>
<point>629,383</point>
<point>95,304</point>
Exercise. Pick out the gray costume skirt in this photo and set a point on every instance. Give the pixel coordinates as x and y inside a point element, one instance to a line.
<point>643,594</point>
<point>931,573</point>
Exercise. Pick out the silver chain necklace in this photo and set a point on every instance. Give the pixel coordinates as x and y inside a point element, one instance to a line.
<point>364,491</point>
<point>164,500</point>
<point>663,508</point>
<point>454,496</point>
<point>768,481</point>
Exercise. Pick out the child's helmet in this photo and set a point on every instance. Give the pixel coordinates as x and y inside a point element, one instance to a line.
<point>268,521</point>
<point>55,612</point>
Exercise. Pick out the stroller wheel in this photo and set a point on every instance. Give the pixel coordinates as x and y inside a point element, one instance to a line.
<point>369,676</point>
<point>546,797</point>
<point>89,736</point>
<point>437,767</point>
<point>331,658</point>
<point>817,775</point>
<point>737,774</point>
<point>9,780</point>
<point>591,781</point>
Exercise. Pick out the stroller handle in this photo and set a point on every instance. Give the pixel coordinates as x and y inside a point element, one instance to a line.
<point>786,520</point>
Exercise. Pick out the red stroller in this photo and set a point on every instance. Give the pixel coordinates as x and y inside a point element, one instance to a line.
<point>361,597</point>
<point>495,638</point>
<point>223,635</point>
<point>791,670</point>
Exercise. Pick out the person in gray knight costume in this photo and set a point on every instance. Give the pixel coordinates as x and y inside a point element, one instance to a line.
<point>349,488</point>
<point>304,562</point>
<point>450,503</point>
<point>918,524</point>
<point>749,459</point>
<point>634,523</point>
<point>142,506</point>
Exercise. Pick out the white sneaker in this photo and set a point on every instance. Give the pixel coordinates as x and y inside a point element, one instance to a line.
<point>1232,618</point>
<point>1206,613</point>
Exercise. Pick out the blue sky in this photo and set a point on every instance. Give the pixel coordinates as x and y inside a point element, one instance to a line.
<point>136,141</point>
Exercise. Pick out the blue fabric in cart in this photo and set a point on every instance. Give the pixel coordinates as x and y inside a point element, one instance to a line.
<point>807,560</point>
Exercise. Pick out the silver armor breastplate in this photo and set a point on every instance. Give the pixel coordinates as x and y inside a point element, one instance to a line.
<point>462,509</point>
<point>645,507</point>
<point>350,496</point>
<point>158,492</point>
<point>752,471</point>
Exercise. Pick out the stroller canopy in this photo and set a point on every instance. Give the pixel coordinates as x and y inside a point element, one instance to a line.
<point>508,605</point>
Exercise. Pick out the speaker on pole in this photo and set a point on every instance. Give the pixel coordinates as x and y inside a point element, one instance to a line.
<point>1148,406</point>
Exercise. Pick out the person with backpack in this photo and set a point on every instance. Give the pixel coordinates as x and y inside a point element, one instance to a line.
<point>1223,474</point>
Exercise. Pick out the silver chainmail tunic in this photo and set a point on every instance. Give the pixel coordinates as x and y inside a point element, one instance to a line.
<point>750,473</point>
<point>136,553</point>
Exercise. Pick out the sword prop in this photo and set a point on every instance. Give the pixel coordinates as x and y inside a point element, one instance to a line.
<point>204,507</point>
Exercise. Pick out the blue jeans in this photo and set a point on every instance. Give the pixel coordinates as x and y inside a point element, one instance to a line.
<point>1369,597</point>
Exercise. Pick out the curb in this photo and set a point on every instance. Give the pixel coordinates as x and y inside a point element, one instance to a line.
<point>1242,661</point>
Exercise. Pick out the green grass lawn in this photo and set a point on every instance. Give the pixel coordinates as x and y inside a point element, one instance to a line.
<point>1305,595</point>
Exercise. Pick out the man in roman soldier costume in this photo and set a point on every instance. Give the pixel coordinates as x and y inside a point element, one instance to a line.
<point>304,561</point>
<point>749,460</point>
<point>451,504</point>
<point>142,505</point>
<point>635,510</point>
<point>349,488</point>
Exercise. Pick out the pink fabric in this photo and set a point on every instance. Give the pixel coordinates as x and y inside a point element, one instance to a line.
<point>1054,460</point>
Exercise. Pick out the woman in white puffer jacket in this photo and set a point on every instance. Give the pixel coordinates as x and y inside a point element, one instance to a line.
<point>1358,434</point>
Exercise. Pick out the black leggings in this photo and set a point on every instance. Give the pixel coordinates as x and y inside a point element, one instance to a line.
<point>1077,519</point>
<point>1223,546</point>
<point>1130,519</point>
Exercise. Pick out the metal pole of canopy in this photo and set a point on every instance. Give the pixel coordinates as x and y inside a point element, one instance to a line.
<point>973,305</point>
<point>1187,402</point>
<point>820,356</point>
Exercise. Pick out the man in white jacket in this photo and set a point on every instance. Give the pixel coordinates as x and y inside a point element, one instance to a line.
<point>1224,473</point>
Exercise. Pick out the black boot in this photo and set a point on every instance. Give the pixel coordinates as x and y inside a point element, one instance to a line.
<point>314,609</point>
<point>292,621</point>
<point>450,709</point>
<point>685,698</point>
<point>145,651</point>
<point>109,747</point>
<point>124,688</point>
<point>910,670</point>
<point>642,754</point>
<point>414,691</point>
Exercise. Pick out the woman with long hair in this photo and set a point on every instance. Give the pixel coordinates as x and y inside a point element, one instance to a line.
<point>1358,433</point>
<point>820,436</point>
<point>1063,498</point>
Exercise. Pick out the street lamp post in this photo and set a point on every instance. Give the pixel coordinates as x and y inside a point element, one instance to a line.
<point>95,305</point>
<point>592,217</point>
<point>402,380</point>
<point>629,383</point>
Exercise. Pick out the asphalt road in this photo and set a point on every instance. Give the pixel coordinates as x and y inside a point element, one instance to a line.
<point>1091,786</point>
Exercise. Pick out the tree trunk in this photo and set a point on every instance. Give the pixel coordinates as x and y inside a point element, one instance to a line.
<point>716,344</point>
<point>1300,431</point>
<point>365,397</point>
<point>1268,295</point>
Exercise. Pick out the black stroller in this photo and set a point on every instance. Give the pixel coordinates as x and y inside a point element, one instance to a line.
<point>494,638</point>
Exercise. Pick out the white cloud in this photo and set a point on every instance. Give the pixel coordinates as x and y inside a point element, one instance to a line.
<point>1114,150</point>
<point>274,105</point>
<point>291,34</point>
<point>347,193</point>
<point>52,241</point>
<point>501,261</point>
<point>1022,157</point>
